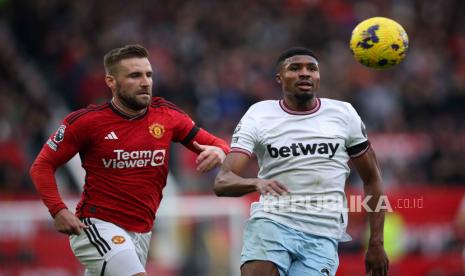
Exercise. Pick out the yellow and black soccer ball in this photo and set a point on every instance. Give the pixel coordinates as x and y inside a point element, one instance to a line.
<point>379,42</point>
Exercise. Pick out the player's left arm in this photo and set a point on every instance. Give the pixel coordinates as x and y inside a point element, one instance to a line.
<point>211,150</point>
<point>376,260</point>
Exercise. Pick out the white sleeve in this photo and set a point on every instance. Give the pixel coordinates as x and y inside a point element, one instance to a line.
<point>245,135</point>
<point>357,140</point>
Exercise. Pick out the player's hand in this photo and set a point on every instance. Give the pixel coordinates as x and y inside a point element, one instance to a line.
<point>271,186</point>
<point>210,157</point>
<point>67,223</point>
<point>376,261</point>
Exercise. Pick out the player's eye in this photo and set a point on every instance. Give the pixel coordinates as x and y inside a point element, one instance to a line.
<point>293,67</point>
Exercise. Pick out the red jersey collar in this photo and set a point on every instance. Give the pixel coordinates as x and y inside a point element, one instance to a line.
<point>124,115</point>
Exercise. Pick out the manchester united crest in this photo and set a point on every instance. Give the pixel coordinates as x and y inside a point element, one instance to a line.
<point>157,130</point>
<point>118,239</point>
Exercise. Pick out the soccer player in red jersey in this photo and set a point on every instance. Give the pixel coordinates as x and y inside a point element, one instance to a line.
<point>124,148</point>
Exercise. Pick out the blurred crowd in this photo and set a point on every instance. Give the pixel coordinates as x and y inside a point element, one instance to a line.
<point>216,58</point>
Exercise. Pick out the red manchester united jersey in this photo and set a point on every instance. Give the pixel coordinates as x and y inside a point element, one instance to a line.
<point>125,159</point>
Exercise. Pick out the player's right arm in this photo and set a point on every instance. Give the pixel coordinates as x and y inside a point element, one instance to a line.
<point>229,182</point>
<point>61,146</point>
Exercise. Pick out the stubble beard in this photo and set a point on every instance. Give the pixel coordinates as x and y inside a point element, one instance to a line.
<point>303,98</point>
<point>131,102</point>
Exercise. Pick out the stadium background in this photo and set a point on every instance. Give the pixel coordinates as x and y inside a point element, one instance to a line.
<point>214,59</point>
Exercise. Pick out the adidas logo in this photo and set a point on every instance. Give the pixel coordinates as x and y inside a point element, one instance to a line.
<point>111,136</point>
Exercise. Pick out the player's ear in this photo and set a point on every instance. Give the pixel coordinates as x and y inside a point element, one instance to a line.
<point>278,78</point>
<point>110,81</point>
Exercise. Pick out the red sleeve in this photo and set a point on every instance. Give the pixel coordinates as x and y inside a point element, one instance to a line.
<point>203,137</point>
<point>187,132</point>
<point>58,149</point>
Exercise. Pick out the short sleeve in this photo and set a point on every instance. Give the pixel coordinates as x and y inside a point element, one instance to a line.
<point>357,140</point>
<point>245,135</point>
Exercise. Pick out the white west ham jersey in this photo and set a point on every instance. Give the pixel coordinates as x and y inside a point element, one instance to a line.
<point>308,153</point>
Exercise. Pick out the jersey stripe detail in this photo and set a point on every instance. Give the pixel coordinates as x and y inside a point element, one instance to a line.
<point>168,103</point>
<point>358,150</point>
<point>163,104</point>
<point>76,114</point>
<point>100,237</point>
<point>92,242</point>
<point>241,150</point>
<point>156,100</point>
<point>103,268</point>
<point>286,109</point>
<point>100,245</point>
<point>81,112</point>
<point>190,135</point>
<point>160,100</point>
<point>72,118</point>
<point>95,238</point>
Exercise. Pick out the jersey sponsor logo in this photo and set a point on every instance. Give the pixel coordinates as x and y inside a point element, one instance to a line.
<point>52,145</point>
<point>297,149</point>
<point>157,130</point>
<point>135,159</point>
<point>60,134</point>
<point>118,239</point>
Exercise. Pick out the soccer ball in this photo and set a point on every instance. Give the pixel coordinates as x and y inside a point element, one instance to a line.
<point>379,42</point>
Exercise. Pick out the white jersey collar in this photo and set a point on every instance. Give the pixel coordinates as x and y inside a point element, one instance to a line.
<point>283,105</point>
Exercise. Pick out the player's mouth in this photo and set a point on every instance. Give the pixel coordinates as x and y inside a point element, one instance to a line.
<point>143,93</point>
<point>305,85</point>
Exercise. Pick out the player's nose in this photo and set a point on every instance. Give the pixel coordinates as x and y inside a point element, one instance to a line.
<point>304,73</point>
<point>146,81</point>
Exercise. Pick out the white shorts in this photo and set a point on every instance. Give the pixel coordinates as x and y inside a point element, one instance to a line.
<point>107,249</point>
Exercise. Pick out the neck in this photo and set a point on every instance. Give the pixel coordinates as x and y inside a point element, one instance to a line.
<point>300,105</point>
<point>126,110</point>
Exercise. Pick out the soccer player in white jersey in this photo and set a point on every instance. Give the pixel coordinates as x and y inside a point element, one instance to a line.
<point>302,143</point>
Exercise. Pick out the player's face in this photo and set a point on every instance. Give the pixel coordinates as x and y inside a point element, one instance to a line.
<point>300,77</point>
<point>133,83</point>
